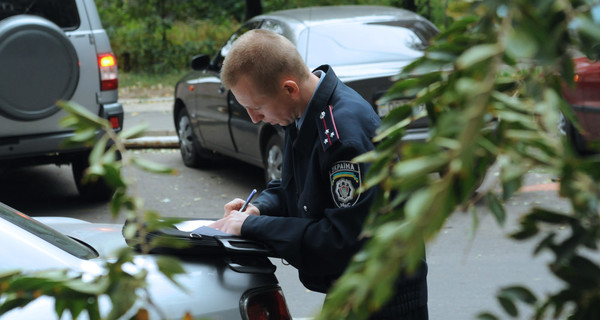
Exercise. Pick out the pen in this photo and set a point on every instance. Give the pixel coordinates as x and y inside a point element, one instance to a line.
<point>248,200</point>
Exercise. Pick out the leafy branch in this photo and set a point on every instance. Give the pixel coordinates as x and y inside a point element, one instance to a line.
<point>118,279</point>
<point>492,85</point>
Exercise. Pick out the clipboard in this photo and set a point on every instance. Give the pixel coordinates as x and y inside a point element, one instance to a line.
<point>195,238</point>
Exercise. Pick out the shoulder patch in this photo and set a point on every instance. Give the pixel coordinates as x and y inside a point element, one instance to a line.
<point>327,130</point>
<point>345,180</point>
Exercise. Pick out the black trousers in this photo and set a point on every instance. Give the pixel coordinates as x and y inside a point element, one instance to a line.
<point>410,299</point>
<point>389,312</point>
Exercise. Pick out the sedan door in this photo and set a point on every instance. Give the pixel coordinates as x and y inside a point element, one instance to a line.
<point>211,114</point>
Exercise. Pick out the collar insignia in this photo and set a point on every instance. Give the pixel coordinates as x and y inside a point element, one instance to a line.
<point>327,129</point>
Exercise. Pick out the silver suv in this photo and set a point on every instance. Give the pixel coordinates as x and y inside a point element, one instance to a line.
<point>53,50</point>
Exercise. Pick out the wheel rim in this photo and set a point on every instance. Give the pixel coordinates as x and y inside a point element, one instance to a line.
<point>274,162</point>
<point>186,142</point>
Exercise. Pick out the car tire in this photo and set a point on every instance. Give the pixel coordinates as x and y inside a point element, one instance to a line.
<point>92,190</point>
<point>30,90</point>
<point>273,158</point>
<point>192,154</point>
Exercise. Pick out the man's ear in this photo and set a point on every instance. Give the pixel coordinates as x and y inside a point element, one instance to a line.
<point>291,88</point>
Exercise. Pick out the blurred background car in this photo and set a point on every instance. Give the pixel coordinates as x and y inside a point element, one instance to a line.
<point>53,50</point>
<point>584,99</point>
<point>233,282</point>
<point>366,46</point>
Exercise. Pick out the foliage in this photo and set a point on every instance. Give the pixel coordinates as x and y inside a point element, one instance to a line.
<point>161,36</point>
<point>115,279</point>
<point>492,85</point>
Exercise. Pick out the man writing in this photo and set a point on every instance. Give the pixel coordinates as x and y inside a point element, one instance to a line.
<point>313,216</point>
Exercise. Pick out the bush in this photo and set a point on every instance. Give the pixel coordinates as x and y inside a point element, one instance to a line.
<point>159,36</point>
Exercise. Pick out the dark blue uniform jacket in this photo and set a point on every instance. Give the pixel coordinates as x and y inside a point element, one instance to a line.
<point>313,216</point>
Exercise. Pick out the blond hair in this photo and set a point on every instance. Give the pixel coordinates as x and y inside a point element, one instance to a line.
<point>265,57</point>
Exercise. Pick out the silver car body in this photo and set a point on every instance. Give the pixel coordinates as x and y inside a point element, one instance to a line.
<point>215,290</point>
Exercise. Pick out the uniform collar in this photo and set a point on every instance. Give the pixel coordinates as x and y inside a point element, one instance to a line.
<point>321,74</point>
<point>319,101</point>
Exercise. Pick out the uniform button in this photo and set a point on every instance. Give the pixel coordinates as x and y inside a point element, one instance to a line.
<point>305,208</point>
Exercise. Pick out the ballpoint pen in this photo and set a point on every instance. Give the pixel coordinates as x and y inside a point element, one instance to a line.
<point>248,200</point>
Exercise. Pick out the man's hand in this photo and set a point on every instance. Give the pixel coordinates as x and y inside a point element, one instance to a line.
<point>236,205</point>
<point>232,223</point>
<point>233,219</point>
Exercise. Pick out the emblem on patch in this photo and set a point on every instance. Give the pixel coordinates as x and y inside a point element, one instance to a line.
<point>344,177</point>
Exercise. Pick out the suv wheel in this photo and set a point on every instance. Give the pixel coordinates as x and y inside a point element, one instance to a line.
<point>91,189</point>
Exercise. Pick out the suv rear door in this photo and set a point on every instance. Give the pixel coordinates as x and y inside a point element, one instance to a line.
<point>38,42</point>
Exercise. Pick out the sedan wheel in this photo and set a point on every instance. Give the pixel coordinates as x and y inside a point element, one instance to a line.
<point>192,154</point>
<point>273,158</point>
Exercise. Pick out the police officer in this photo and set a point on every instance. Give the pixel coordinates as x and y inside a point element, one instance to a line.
<point>313,216</point>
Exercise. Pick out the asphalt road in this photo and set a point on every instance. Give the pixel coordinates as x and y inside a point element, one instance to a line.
<point>466,268</point>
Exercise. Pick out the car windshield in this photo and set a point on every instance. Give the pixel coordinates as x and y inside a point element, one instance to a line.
<point>361,43</point>
<point>62,12</point>
<point>46,233</point>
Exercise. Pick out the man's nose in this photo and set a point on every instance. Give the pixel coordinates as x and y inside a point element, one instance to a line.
<point>256,117</point>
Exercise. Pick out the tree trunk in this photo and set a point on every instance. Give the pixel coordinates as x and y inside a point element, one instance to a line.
<point>409,5</point>
<point>253,8</point>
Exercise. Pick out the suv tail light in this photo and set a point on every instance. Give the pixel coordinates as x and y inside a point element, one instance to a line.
<point>264,304</point>
<point>108,71</point>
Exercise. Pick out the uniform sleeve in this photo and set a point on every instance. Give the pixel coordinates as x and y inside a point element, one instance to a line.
<point>270,202</point>
<point>318,246</point>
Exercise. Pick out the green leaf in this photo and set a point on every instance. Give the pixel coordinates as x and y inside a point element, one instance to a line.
<point>521,45</point>
<point>509,306</point>
<point>83,113</point>
<point>528,230</point>
<point>98,149</point>
<point>153,167</point>
<point>519,293</point>
<point>133,132</point>
<point>418,166</point>
<point>477,54</point>
<point>486,316</point>
<point>113,177</point>
<point>496,207</point>
<point>86,135</point>
<point>170,267</point>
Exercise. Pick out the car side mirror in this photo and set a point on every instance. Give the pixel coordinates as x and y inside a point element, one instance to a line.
<point>200,62</point>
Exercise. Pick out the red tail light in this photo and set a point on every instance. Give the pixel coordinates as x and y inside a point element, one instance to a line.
<point>108,71</point>
<point>264,304</point>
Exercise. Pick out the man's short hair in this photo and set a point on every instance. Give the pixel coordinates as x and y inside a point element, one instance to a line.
<point>265,57</point>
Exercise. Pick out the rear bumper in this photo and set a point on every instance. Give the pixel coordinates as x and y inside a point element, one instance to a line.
<point>49,147</point>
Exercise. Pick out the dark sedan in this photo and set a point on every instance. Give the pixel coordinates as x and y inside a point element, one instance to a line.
<point>365,45</point>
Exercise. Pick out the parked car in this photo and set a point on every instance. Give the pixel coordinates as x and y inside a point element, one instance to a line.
<point>53,50</point>
<point>365,45</point>
<point>584,99</point>
<point>234,283</point>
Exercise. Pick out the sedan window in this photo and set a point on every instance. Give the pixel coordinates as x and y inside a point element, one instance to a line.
<point>358,43</point>
<point>46,233</point>
<point>218,60</point>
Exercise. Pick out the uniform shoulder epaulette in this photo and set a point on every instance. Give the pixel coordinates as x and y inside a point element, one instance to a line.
<point>327,129</point>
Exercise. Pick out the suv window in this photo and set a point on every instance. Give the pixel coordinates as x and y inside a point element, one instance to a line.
<point>62,12</point>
